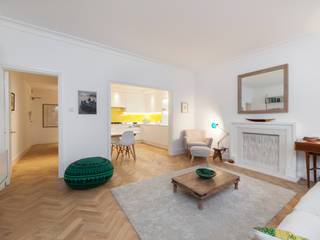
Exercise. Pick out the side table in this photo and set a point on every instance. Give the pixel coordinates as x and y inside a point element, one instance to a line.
<point>217,154</point>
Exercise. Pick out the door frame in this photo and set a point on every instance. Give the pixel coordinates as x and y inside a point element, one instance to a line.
<point>7,68</point>
<point>170,113</point>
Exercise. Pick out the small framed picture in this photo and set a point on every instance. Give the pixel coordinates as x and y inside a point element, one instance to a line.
<point>49,115</point>
<point>87,102</point>
<point>12,101</point>
<point>184,107</point>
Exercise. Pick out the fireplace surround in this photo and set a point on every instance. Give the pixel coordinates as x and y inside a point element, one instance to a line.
<point>266,147</point>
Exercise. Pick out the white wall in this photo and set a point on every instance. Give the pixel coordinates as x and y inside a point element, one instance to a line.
<point>42,135</point>
<point>216,88</point>
<point>86,67</point>
<point>20,124</point>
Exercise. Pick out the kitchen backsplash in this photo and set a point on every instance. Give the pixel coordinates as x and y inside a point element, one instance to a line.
<point>118,114</point>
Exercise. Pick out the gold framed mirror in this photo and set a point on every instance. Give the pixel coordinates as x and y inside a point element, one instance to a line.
<point>263,91</point>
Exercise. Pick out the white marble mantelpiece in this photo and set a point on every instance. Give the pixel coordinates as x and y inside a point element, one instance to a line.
<point>284,165</point>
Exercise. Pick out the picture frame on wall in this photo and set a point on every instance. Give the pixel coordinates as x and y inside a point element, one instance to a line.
<point>12,102</point>
<point>49,115</point>
<point>87,102</point>
<point>184,107</point>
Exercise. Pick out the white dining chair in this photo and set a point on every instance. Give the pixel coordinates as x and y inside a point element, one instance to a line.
<point>126,145</point>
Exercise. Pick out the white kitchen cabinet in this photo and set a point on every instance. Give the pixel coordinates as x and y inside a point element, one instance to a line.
<point>118,99</point>
<point>155,134</point>
<point>138,101</point>
<point>135,103</point>
<point>131,101</point>
<point>154,102</point>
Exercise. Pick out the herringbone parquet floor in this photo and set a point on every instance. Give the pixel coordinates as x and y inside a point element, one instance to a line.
<point>38,205</point>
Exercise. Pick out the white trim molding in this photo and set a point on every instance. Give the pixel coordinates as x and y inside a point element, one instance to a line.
<point>71,39</point>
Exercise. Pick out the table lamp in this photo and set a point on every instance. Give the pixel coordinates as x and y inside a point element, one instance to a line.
<point>215,125</point>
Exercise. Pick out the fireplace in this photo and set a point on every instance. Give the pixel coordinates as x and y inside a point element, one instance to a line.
<point>265,147</point>
<point>261,150</point>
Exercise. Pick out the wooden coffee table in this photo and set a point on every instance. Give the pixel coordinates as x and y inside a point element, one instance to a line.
<point>203,188</point>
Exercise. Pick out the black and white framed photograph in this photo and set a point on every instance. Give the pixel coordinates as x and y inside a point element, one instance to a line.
<point>49,115</point>
<point>184,107</point>
<point>87,102</point>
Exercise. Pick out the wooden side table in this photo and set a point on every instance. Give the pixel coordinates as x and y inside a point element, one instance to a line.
<point>217,154</point>
<point>310,148</point>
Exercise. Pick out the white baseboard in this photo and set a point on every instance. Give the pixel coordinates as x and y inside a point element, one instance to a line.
<point>267,172</point>
<point>20,156</point>
<point>2,185</point>
<point>175,152</point>
<point>156,144</point>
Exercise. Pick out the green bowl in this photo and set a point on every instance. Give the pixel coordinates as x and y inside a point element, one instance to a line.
<point>205,173</point>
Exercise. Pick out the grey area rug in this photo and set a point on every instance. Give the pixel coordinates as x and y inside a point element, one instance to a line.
<point>158,213</point>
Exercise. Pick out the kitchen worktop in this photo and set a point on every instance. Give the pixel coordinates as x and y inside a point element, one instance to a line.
<point>155,134</point>
<point>138,124</point>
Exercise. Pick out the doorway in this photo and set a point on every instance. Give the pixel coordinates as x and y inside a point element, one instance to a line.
<point>144,111</point>
<point>31,109</point>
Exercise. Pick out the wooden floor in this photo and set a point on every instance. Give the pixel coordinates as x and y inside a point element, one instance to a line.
<point>38,205</point>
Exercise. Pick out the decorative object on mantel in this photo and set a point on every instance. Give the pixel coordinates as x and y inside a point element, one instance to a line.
<point>310,148</point>
<point>260,119</point>
<point>219,151</point>
<point>184,107</point>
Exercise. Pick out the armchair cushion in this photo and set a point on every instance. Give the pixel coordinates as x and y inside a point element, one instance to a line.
<point>197,138</point>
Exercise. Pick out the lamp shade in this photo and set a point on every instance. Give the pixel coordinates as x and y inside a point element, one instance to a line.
<point>214,125</point>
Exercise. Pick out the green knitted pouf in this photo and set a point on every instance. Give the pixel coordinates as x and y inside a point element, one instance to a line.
<point>88,172</point>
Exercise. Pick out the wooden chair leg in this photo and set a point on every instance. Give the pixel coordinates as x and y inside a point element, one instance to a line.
<point>123,152</point>
<point>119,151</point>
<point>131,151</point>
<point>112,146</point>
<point>134,152</point>
<point>127,151</point>
<point>192,158</point>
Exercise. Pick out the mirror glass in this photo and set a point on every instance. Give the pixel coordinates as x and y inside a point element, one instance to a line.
<point>264,91</point>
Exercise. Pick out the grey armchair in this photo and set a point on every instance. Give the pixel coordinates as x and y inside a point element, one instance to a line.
<point>196,137</point>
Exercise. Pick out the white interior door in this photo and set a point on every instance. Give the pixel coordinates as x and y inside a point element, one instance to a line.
<point>4,129</point>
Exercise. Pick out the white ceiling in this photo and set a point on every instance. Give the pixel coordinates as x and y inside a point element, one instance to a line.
<point>189,33</point>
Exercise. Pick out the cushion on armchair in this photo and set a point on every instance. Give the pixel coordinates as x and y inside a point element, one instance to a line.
<point>195,137</point>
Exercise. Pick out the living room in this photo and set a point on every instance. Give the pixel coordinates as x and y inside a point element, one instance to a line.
<point>196,51</point>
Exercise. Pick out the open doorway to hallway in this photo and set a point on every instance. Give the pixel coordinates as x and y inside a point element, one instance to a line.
<point>33,119</point>
<point>142,111</point>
